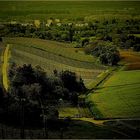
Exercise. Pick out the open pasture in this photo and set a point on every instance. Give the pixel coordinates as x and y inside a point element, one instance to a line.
<point>118,97</point>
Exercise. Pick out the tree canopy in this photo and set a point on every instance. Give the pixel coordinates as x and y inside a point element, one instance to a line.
<point>105,51</point>
<point>33,84</point>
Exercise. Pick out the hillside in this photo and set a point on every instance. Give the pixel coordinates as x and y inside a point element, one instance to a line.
<point>118,97</point>
<point>52,55</point>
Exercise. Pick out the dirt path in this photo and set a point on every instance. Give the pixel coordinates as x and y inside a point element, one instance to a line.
<point>5,67</point>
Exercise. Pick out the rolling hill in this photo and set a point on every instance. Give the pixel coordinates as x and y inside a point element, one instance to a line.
<point>52,55</point>
<point>118,97</point>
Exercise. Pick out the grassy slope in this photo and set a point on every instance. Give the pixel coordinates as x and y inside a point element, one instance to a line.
<point>52,55</point>
<point>54,47</point>
<point>119,97</point>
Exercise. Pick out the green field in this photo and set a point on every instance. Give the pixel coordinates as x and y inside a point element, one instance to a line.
<point>55,36</point>
<point>67,10</point>
<point>118,97</point>
<point>52,55</point>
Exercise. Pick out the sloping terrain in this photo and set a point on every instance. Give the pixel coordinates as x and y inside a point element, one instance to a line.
<point>130,59</point>
<point>52,55</point>
<point>118,97</point>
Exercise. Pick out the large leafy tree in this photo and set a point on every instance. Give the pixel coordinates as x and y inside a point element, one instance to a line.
<point>107,53</point>
<point>34,85</point>
<point>71,81</point>
<point>39,94</point>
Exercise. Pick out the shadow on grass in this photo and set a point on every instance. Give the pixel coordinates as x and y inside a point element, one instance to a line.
<point>94,110</point>
<point>76,129</point>
<point>132,131</point>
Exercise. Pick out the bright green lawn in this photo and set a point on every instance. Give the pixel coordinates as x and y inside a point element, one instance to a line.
<point>119,97</point>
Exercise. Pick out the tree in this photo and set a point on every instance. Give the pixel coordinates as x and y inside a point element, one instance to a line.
<point>30,83</point>
<point>84,42</point>
<point>107,53</point>
<point>71,81</point>
<point>71,33</point>
<point>136,47</point>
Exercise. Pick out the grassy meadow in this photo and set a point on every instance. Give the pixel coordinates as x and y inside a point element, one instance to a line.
<point>118,97</point>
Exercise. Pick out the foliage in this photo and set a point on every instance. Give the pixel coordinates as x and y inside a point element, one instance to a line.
<point>84,42</point>
<point>34,90</point>
<point>35,85</point>
<point>129,41</point>
<point>107,53</point>
<point>71,82</point>
<point>136,47</point>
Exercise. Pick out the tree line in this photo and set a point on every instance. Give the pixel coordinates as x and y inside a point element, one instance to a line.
<point>73,32</point>
<point>35,92</point>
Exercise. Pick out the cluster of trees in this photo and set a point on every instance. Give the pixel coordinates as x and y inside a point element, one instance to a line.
<point>34,89</point>
<point>72,32</point>
<point>35,82</point>
<point>129,41</point>
<point>105,51</point>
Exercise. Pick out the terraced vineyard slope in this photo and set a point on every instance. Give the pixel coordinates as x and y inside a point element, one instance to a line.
<point>52,55</point>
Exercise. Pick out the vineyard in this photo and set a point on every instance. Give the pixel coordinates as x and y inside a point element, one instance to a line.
<point>53,55</point>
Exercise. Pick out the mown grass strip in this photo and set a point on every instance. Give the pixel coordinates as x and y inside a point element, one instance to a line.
<point>5,67</point>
